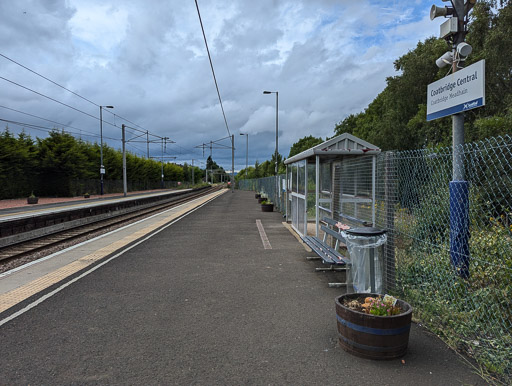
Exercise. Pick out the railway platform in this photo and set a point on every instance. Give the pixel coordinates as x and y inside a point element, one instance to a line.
<point>212,292</point>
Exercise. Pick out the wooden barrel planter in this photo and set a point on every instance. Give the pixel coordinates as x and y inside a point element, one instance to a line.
<point>32,200</point>
<point>267,207</point>
<point>370,336</point>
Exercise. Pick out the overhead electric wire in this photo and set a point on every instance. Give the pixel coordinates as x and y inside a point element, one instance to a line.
<point>211,65</point>
<point>47,129</point>
<point>46,96</point>
<point>49,80</point>
<point>48,120</point>
<point>141,128</point>
<point>72,92</point>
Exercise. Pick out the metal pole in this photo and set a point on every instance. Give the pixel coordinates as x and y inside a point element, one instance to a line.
<point>162,164</point>
<point>459,188</point>
<point>192,172</point>
<point>101,151</point>
<point>246,154</point>
<point>277,147</point>
<point>232,163</point>
<point>317,194</point>
<point>277,128</point>
<point>147,141</point>
<point>125,185</point>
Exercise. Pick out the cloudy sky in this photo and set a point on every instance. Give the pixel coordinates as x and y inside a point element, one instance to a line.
<point>147,58</point>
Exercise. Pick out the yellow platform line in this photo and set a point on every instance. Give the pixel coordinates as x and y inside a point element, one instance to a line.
<point>17,295</point>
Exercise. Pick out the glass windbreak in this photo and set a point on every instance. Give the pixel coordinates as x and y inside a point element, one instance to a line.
<point>294,177</point>
<point>301,176</point>
<point>300,209</point>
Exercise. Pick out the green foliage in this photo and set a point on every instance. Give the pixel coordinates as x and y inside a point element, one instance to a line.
<point>303,144</point>
<point>265,169</point>
<point>473,316</point>
<point>18,165</point>
<point>53,165</point>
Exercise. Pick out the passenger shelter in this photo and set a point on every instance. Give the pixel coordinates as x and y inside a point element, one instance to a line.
<point>334,179</point>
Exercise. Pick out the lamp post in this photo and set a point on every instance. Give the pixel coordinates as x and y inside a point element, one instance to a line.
<point>102,168</point>
<point>246,152</point>
<point>277,122</point>
<point>277,139</point>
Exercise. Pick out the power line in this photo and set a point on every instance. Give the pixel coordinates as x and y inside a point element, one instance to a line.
<point>72,92</point>
<point>47,120</point>
<point>47,129</point>
<point>49,80</point>
<point>46,96</point>
<point>211,65</point>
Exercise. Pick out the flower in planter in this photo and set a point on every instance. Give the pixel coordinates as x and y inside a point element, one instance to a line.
<point>342,227</point>
<point>381,306</point>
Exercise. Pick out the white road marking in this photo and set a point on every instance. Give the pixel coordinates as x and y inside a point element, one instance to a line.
<point>263,235</point>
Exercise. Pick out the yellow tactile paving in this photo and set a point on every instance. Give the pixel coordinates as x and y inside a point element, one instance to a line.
<point>19,294</point>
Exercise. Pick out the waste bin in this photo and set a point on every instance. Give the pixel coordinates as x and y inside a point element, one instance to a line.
<point>366,248</point>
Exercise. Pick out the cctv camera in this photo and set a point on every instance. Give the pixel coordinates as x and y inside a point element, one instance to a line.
<point>445,60</point>
<point>464,49</point>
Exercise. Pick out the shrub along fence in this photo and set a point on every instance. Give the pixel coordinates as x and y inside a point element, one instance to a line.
<point>473,314</point>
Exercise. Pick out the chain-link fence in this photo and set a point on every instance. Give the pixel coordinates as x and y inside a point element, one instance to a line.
<point>471,312</point>
<point>269,187</point>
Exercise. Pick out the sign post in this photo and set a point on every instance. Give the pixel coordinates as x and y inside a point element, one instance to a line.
<point>463,90</point>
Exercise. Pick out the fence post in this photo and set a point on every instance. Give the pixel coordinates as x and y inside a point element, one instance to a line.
<point>390,195</point>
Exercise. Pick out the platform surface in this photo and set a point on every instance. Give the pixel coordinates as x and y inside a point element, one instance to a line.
<point>211,299</point>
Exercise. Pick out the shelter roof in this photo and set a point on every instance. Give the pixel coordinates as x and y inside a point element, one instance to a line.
<point>344,144</point>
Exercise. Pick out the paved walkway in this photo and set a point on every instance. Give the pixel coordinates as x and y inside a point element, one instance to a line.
<point>204,302</point>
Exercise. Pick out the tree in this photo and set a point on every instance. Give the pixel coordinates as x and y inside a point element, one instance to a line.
<point>303,144</point>
<point>18,165</point>
<point>60,162</point>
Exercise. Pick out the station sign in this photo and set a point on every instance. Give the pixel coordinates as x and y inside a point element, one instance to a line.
<point>461,91</point>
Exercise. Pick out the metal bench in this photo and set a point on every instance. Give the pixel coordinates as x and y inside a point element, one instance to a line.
<point>328,254</point>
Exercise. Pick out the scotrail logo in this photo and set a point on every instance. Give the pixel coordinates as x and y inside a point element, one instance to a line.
<point>470,105</point>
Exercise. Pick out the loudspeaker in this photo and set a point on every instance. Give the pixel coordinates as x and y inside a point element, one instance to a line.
<point>436,11</point>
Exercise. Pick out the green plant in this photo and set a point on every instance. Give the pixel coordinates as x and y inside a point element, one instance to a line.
<point>381,306</point>
<point>32,195</point>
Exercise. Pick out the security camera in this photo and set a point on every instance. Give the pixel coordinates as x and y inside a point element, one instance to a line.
<point>464,49</point>
<point>445,60</point>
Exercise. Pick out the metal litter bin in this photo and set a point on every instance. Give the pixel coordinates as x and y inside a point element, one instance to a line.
<point>366,248</point>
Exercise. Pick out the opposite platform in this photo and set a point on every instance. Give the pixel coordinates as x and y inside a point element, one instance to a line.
<point>207,301</point>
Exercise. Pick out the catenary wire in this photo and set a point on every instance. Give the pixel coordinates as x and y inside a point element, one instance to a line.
<point>213,71</point>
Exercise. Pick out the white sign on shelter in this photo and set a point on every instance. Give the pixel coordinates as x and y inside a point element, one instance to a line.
<point>458,92</point>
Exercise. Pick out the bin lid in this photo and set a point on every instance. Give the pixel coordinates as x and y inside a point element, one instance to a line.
<point>366,231</point>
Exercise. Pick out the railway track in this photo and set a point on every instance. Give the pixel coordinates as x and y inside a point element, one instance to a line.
<point>36,248</point>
